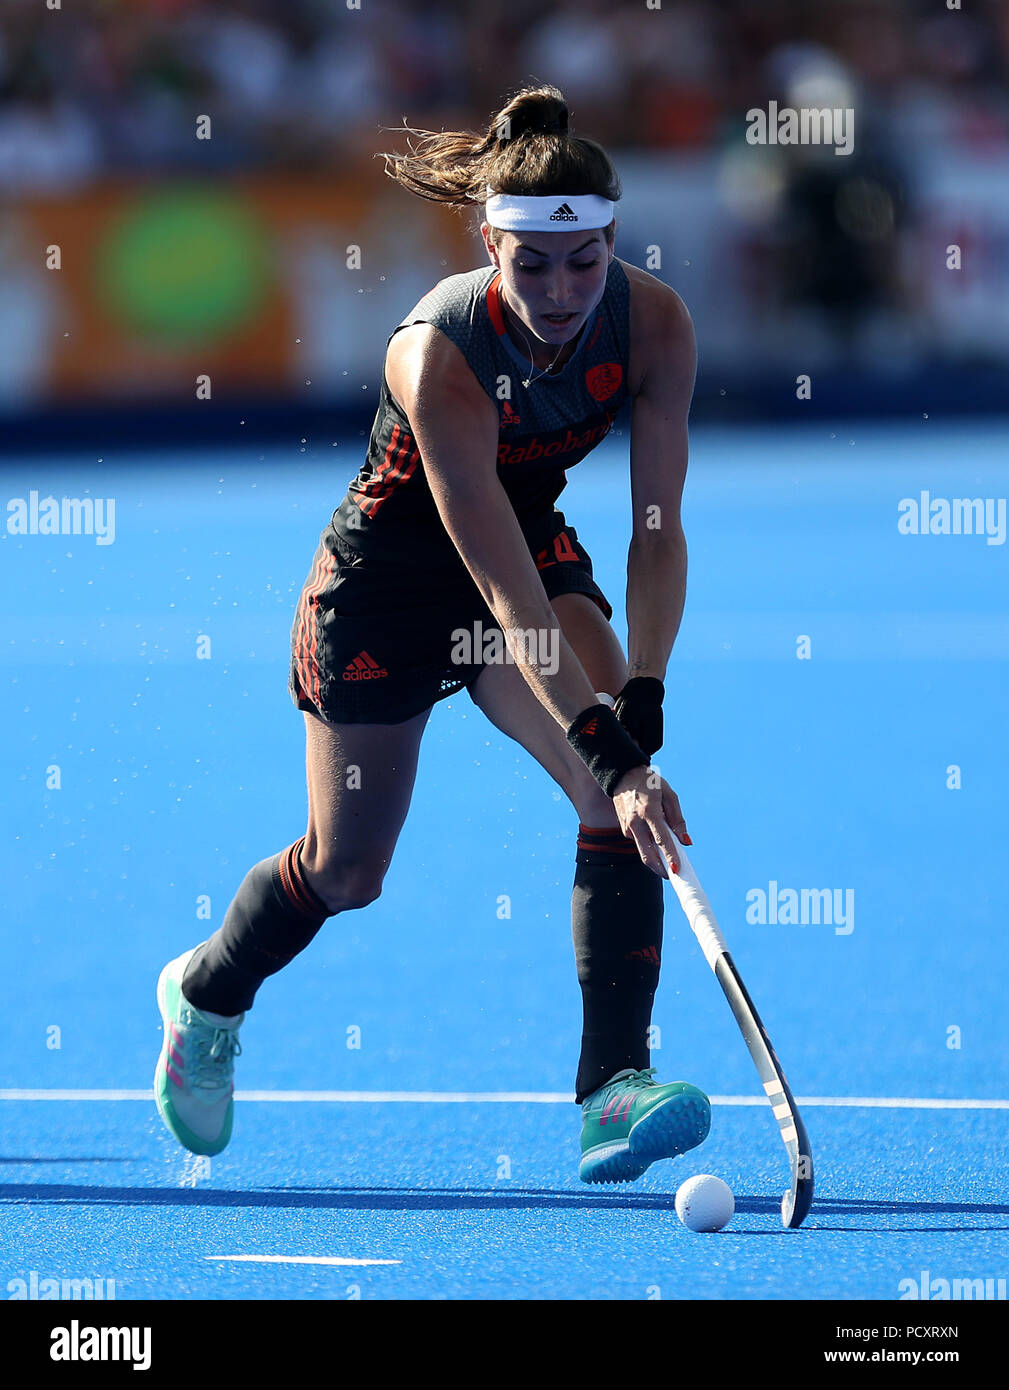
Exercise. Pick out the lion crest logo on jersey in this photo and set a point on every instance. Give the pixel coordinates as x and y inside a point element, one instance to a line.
<point>604,380</point>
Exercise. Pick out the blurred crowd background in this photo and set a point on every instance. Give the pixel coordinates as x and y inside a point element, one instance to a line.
<point>229,255</point>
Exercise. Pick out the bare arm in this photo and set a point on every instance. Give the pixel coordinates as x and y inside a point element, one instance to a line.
<point>657,559</point>
<point>456,428</point>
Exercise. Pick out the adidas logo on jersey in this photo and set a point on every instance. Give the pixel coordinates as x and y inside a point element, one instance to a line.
<point>364,668</point>
<point>563,214</point>
<point>509,415</point>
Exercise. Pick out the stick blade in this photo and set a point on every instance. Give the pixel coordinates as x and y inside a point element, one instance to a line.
<point>797,1200</point>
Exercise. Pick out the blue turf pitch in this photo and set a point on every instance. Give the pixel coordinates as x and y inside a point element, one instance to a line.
<point>176,774</point>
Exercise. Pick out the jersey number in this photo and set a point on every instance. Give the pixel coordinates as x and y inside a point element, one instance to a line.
<point>563,548</point>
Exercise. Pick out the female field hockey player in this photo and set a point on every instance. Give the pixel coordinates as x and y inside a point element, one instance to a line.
<point>499,380</point>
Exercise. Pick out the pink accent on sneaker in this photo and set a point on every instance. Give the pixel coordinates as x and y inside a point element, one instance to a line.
<point>176,1035</point>
<point>174,1075</point>
<point>625,1110</point>
<point>176,1057</point>
<point>608,1109</point>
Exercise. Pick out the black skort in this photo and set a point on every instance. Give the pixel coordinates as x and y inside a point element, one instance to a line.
<point>374,644</point>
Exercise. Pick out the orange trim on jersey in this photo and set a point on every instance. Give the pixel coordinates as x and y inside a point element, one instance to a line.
<point>390,453</point>
<point>397,467</point>
<point>494,305</point>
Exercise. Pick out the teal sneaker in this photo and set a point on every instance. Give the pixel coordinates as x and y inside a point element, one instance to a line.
<point>632,1121</point>
<point>194,1078</point>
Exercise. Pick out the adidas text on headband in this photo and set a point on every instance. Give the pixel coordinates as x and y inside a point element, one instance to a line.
<point>551,214</point>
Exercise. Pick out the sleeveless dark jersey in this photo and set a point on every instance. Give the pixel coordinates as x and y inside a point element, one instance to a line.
<point>388,513</point>
<point>389,516</point>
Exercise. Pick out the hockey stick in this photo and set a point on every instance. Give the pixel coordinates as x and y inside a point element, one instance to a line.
<point>694,901</point>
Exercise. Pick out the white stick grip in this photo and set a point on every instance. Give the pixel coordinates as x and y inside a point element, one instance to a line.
<point>692,896</point>
<point>694,902</point>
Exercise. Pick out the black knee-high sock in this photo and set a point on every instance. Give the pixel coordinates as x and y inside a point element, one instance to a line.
<point>273,916</point>
<point>616,923</point>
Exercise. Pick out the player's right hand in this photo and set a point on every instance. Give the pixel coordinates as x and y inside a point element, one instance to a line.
<point>649,811</point>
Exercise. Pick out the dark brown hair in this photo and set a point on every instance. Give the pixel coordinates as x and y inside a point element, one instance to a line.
<point>527,150</point>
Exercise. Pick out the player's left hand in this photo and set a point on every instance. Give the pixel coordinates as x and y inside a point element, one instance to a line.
<point>639,709</point>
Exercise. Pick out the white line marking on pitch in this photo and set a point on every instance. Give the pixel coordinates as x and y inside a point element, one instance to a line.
<point>301,1260</point>
<point>508,1098</point>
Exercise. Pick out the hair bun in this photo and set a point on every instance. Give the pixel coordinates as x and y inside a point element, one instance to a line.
<point>538,112</point>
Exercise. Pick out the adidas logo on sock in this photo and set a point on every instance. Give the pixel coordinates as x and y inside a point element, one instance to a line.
<point>648,953</point>
<point>591,726</point>
<point>563,214</point>
<point>364,668</point>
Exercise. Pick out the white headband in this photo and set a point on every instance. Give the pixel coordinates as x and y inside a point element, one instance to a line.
<point>551,214</point>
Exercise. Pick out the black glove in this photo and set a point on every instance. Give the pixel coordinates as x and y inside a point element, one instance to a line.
<point>639,709</point>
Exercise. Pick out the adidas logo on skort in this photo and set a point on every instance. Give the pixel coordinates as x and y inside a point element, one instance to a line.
<point>364,668</point>
<point>563,214</point>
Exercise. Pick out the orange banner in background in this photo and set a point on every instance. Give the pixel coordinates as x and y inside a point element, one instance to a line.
<point>158,284</point>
